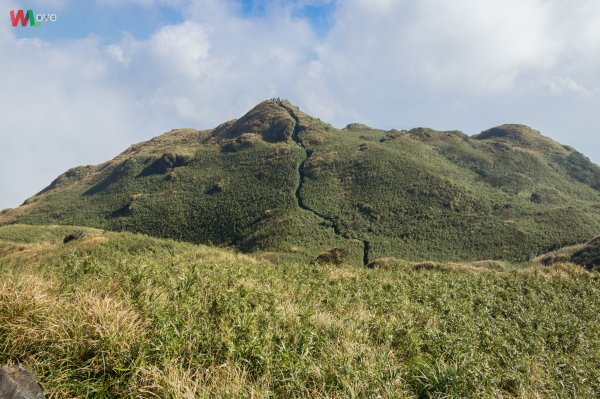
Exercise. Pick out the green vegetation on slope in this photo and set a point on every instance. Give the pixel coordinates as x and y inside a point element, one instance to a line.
<point>586,255</point>
<point>281,183</point>
<point>129,316</point>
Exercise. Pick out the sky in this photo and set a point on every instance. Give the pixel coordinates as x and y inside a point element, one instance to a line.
<point>110,73</point>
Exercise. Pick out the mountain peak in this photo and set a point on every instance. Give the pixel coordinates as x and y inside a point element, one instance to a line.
<point>509,131</point>
<point>520,135</point>
<point>271,119</point>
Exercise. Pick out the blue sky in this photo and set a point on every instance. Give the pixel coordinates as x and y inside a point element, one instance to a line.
<point>110,73</point>
<point>83,18</point>
<point>110,21</point>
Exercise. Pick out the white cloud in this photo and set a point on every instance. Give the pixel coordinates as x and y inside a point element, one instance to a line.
<point>217,64</point>
<point>63,108</point>
<point>464,64</point>
<point>483,46</point>
<point>187,44</point>
<point>559,85</point>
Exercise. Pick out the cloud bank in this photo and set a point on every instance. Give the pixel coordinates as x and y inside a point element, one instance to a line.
<point>465,64</point>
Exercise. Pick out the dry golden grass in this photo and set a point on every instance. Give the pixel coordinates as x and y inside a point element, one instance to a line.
<point>109,323</point>
<point>13,214</point>
<point>342,274</point>
<point>28,251</point>
<point>36,323</point>
<point>93,240</point>
<point>477,266</point>
<point>562,269</point>
<point>179,382</point>
<point>383,262</point>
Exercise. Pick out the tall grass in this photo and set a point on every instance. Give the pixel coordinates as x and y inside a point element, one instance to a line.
<point>123,315</point>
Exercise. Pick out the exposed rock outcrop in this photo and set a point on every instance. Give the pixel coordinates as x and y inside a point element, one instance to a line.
<point>17,382</point>
<point>74,236</point>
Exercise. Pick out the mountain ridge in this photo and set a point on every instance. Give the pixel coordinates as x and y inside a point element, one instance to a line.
<point>284,183</point>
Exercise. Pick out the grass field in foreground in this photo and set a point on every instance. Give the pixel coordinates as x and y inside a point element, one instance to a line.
<point>124,315</point>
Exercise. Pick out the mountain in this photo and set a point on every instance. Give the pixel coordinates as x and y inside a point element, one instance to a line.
<point>287,185</point>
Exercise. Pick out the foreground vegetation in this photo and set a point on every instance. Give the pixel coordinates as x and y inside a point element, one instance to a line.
<point>123,315</point>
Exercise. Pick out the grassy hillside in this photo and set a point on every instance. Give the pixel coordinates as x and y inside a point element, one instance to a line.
<point>129,316</point>
<point>280,182</point>
<point>586,255</point>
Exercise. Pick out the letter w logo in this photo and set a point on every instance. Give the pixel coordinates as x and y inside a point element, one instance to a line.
<point>21,18</point>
